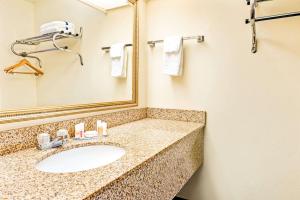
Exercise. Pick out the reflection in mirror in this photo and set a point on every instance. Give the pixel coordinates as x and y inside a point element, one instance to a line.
<point>51,52</point>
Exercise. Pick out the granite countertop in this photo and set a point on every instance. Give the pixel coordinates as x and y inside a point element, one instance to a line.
<point>142,140</point>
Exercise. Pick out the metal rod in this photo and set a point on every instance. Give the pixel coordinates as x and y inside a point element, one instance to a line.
<point>108,48</point>
<point>47,37</point>
<point>257,1</point>
<point>272,17</point>
<point>45,50</point>
<point>24,54</point>
<point>66,49</point>
<point>253,26</point>
<point>199,39</point>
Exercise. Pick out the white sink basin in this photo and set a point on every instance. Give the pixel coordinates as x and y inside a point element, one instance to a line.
<point>81,159</point>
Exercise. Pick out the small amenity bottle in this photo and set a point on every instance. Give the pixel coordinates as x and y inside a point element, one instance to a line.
<point>79,131</point>
<point>99,128</point>
<point>104,126</point>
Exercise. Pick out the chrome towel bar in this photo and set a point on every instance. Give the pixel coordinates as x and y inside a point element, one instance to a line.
<point>106,49</point>
<point>272,17</point>
<point>199,38</point>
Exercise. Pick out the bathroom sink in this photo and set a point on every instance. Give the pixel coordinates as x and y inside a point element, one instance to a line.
<point>81,159</point>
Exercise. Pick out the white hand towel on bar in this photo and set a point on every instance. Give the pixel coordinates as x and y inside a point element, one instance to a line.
<point>56,24</point>
<point>118,56</point>
<point>173,56</point>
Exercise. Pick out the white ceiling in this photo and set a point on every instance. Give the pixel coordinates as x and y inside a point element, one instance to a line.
<point>106,4</point>
<point>101,4</point>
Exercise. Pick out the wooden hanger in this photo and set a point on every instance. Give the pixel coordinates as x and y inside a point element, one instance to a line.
<point>23,62</point>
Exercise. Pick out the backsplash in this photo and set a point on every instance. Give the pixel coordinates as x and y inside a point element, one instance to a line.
<point>177,115</point>
<point>24,138</point>
<point>19,139</point>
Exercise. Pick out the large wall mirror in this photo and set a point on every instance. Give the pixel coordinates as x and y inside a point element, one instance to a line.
<point>61,57</point>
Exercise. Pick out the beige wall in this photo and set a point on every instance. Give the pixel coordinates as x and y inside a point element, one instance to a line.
<point>16,22</point>
<point>252,136</point>
<point>65,80</point>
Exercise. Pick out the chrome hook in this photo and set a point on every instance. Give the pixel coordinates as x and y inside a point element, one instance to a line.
<point>24,54</point>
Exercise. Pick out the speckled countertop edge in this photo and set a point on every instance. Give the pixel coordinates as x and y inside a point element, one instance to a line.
<point>141,165</point>
<point>141,140</point>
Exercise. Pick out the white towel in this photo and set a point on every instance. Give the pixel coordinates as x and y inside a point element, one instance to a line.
<point>56,24</point>
<point>172,44</point>
<point>173,56</point>
<point>65,29</point>
<point>118,56</point>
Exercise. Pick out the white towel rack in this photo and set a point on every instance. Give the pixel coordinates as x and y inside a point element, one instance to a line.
<point>50,37</point>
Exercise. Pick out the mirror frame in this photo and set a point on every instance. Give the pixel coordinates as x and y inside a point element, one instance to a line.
<point>13,116</point>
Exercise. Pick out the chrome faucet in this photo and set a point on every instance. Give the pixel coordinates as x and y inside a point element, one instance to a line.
<point>57,142</point>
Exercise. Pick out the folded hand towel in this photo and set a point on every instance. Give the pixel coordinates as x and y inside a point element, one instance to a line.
<point>173,56</point>
<point>56,24</point>
<point>172,44</point>
<point>117,50</point>
<point>58,29</point>
<point>118,56</point>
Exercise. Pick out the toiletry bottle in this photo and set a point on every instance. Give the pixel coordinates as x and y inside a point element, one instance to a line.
<point>79,131</point>
<point>104,126</point>
<point>99,128</point>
